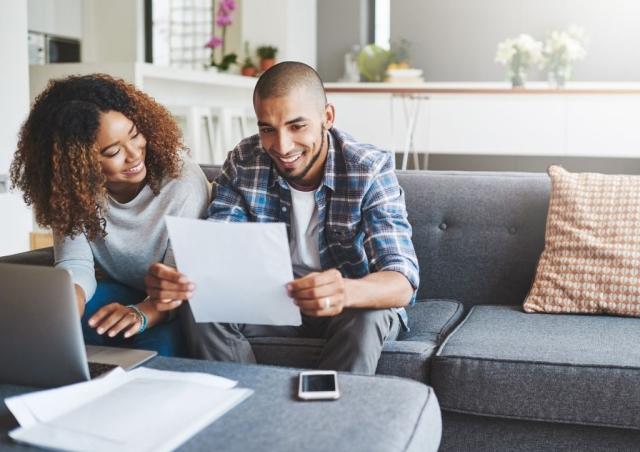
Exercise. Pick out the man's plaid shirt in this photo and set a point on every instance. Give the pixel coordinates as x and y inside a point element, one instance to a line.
<point>361,209</point>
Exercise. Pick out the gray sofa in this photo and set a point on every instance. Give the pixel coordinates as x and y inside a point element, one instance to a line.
<point>505,380</point>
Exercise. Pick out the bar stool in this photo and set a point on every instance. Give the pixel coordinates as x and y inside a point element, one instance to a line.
<point>230,126</point>
<point>197,124</point>
<point>411,111</point>
<point>210,132</point>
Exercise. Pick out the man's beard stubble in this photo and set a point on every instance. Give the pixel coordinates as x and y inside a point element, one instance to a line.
<point>312,162</point>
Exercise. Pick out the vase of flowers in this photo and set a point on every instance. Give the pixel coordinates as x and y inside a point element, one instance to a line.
<point>518,54</point>
<point>223,18</point>
<point>267,55</point>
<point>248,68</point>
<point>561,49</point>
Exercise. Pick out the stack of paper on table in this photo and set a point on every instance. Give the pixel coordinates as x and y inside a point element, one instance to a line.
<point>144,409</point>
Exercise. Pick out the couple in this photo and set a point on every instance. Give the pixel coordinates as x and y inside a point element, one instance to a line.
<point>349,237</point>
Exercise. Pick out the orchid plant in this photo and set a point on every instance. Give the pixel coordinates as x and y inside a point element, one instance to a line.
<point>223,18</point>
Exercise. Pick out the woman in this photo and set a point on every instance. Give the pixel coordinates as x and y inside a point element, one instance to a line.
<point>101,163</point>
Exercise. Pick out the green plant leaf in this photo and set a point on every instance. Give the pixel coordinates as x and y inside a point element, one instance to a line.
<point>227,60</point>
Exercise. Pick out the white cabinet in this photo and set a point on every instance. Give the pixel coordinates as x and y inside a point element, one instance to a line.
<point>56,17</point>
<point>498,122</point>
<point>604,126</point>
<point>496,125</point>
<point>366,117</point>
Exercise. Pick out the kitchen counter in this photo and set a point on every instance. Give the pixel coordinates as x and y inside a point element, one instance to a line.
<point>532,88</point>
<point>585,119</point>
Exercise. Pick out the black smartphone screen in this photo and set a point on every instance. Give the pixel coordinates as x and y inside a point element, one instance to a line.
<point>317,383</point>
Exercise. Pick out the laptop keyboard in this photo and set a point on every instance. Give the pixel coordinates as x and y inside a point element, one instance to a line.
<point>97,369</point>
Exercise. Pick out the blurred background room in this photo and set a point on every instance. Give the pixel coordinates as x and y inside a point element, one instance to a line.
<point>496,85</point>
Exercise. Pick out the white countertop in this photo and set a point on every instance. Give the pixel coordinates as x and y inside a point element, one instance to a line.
<point>138,71</point>
<point>486,88</point>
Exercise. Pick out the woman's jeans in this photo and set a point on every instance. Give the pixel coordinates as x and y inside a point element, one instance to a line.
<point>166,337</point>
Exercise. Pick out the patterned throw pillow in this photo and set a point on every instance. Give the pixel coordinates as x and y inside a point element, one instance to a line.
<point>591,259</point>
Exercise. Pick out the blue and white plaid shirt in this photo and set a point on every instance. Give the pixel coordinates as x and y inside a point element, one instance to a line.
<point>361,209</point>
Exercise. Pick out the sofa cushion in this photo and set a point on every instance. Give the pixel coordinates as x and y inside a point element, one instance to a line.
<point>407,357</point>
<point>211,171</point>
<point>576,369</point>
<point>478,236</point>
<point>42,256</point>
<point>591,259</point>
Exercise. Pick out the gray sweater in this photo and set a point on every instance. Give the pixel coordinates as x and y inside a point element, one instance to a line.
<point>136,232</point>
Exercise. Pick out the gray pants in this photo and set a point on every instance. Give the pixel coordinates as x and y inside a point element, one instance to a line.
<point>354,339</point>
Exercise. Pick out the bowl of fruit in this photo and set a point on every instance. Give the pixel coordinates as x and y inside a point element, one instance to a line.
<point>403,73</point>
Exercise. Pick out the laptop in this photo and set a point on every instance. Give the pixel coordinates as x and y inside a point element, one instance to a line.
<point>41,341</point>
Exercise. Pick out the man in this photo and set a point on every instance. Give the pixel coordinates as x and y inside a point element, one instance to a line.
<point>349,237</point>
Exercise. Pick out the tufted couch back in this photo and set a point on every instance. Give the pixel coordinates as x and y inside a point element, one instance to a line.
<point>478,235</point>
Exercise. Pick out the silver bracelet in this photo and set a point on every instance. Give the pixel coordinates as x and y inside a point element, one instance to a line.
<point>141,316</point>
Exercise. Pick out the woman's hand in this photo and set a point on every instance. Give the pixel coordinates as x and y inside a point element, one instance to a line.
<point>115,318</point>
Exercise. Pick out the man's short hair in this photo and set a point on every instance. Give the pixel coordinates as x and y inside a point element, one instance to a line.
<point>281,79</point>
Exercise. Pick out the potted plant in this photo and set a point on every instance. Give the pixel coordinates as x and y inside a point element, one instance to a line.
<point>267,56</point>
<point>248,68</point>
<point>223,18</point>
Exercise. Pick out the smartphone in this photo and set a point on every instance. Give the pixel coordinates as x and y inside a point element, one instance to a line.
<point>318,385</point>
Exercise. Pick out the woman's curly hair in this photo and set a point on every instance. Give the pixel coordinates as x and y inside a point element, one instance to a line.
<point>56,164</point>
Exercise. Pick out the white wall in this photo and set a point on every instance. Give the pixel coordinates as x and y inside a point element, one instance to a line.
<point>113,31</point>
<point>340,26</point>
<point>14,89</point>
<point>290,25</point>
<point>455,40</point>
<point>302,32</point>
<point>15,218</point>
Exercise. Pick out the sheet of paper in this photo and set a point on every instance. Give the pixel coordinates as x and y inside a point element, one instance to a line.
<point>43,406</point>
<point>98,415</point>
<point>239,269</point>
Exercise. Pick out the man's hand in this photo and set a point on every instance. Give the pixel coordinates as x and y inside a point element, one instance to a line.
<point>167,287</point>
<point>320,294</point>
<point>113,319</point>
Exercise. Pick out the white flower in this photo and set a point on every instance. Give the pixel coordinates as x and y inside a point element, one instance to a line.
<point>563,47</point>
<point>520,52</point>
<point>505,52</point>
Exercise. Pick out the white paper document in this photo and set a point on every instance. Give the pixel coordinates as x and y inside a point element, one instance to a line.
<point>141,410</point>
<point>239,269</point>
<point>43,406</point>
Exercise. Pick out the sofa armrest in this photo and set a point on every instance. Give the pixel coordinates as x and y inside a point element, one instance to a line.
<point>432,320</point>
<point>42,256</point>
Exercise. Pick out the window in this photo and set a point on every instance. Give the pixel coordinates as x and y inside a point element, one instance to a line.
<point>382,23</point>
<point>180,29</point>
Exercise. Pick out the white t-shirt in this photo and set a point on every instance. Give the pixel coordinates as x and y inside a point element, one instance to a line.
<point>305,226</point>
